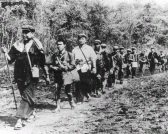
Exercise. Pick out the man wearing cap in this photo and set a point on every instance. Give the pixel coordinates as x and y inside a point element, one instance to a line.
<point>85,60</point>
<point>28,55</point>
<point>63,66</point>
<point>153,60</point>
<point>122,51</point>
<point>102,64</point>
<point>128,60</point>
<point>134,62</point>
<point>116,65</point>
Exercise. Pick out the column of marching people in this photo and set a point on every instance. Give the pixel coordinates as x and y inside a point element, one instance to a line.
<point>91,70</point>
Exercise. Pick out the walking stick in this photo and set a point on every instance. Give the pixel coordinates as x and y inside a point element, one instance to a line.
<point>10,81</point>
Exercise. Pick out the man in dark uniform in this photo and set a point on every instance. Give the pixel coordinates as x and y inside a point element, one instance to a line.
<point>28,55</point>
<point>128,60</point>
<point>116,65</point>
<point>62,63</point>
<point>102,64</point>
<point>95,89</point>
<point>153,60</point>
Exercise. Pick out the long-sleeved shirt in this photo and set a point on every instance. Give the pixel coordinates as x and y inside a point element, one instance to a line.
<point>64,58</point>
<point>18,54</point>
<point>89,53</point>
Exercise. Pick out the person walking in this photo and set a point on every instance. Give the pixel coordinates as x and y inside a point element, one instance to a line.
<point>28,55</point>
<point>85,60</point>
<point>135,62</point>
<point>153,60</point>
<point>128,60</point>
<point>142,62</point>
<point>63,66</point>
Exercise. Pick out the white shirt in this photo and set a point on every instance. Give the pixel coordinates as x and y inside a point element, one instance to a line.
<point>88,52</point>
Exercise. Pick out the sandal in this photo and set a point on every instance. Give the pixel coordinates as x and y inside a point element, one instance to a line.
<point>18,125</point>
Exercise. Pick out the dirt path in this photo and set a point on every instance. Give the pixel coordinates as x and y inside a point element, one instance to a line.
<point>100,115</point>
<point>47,121</point>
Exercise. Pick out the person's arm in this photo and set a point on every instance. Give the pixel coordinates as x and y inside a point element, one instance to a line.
<point>93,57</point>
<point>71,64</point>
<point>149,56</point>
<point>42,60</point>
<point>12,55</point>
<point>42,63</point>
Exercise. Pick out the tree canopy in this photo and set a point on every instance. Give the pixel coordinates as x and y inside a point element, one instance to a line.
<point>125,25</point>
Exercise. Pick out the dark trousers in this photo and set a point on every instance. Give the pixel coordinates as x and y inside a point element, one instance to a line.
<point>85,79</point>
<point>58,92</point>
<point>79,95</point>
<point>120,75</point>
<point>27,93</point>
<point>152,67</point>
<point>133,70</point>
<point>93,84</point>
<point>112,78</point>
<point>128,70</point>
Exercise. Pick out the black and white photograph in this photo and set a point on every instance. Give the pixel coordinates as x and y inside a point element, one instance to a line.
<point>83,66</point>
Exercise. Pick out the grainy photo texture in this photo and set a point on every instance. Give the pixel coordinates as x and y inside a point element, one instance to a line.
<point>83,67</point>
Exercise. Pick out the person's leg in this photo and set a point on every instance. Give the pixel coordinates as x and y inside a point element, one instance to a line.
<point>109,80</point>
<point>79,95</point>
<point>94,85</point>
<point>128,71</point>
<point>26,112</point>
<point>154,65</point>
<point>69,95</point>
<point>113,79</point>
<point>143,69</point>
<point>120,75</point>
<point>104,82</point>
<point>151,68</point>
<point>86,84</point>
<point>133,72</point>
<point>57,96</point>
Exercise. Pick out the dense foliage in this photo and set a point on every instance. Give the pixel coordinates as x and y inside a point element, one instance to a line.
<point>124,25</point>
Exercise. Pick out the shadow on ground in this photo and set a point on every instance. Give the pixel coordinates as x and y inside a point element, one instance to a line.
<point>11,121</point>
<point>45,106</point>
